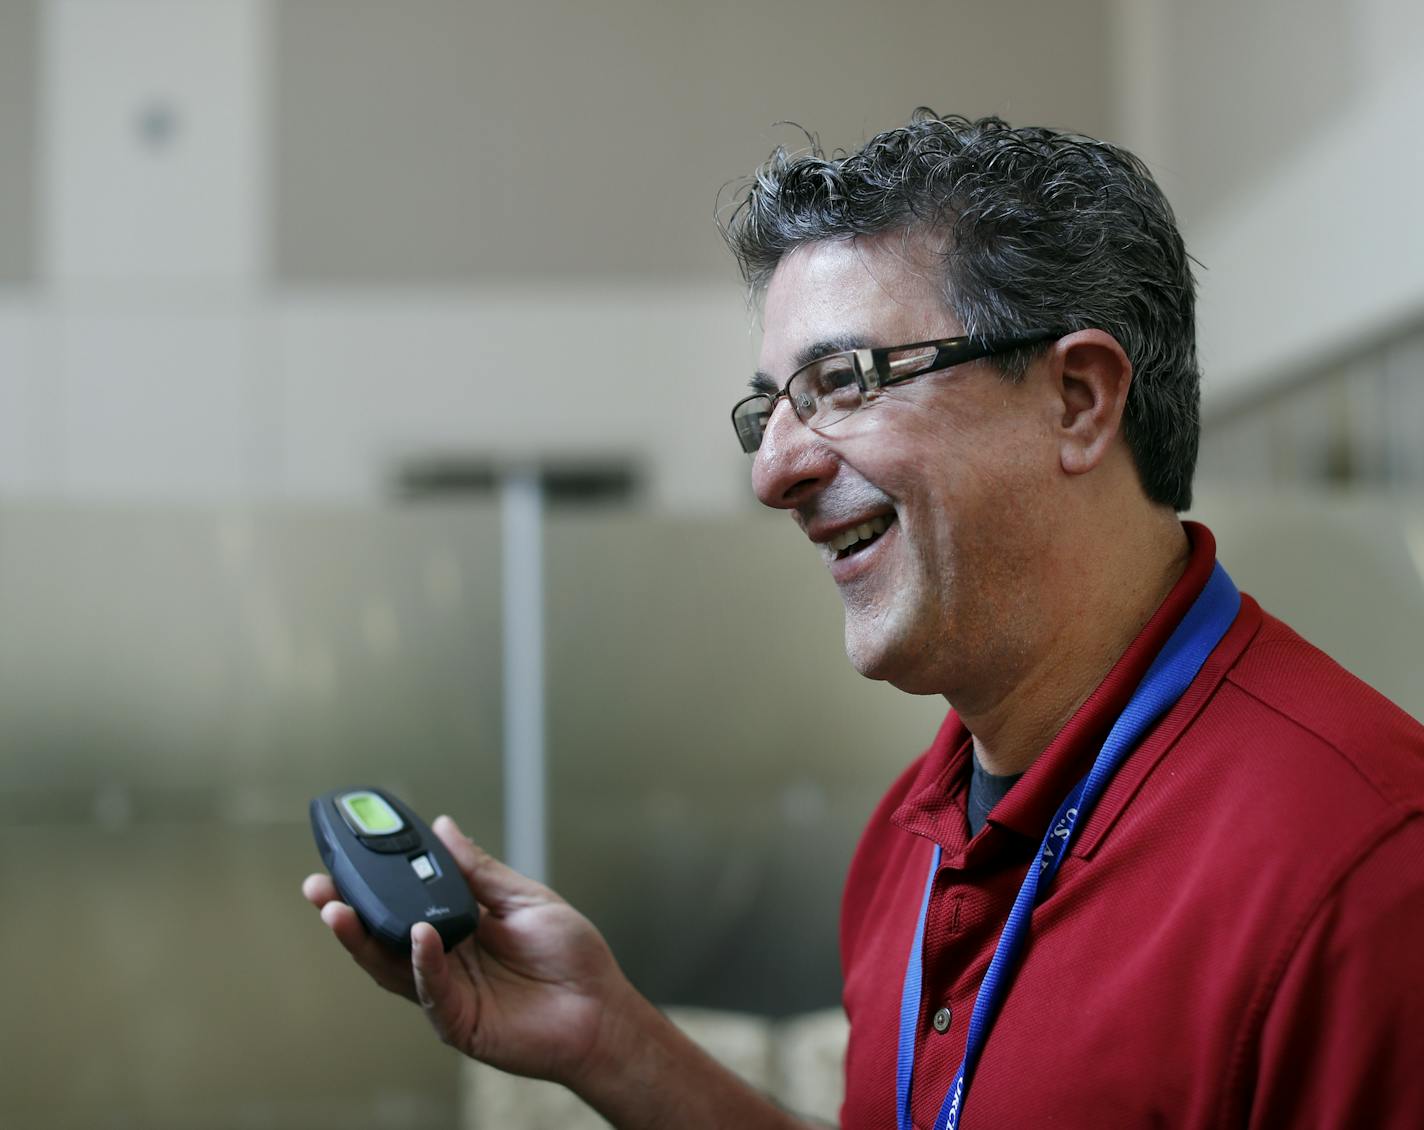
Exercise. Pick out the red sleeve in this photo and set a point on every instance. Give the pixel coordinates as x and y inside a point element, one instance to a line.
<point>1343,1040</point>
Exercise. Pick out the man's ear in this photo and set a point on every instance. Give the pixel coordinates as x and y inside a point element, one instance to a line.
<point>1091,375</point>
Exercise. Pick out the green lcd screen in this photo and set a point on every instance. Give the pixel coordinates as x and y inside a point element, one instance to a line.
<point>373,816</point>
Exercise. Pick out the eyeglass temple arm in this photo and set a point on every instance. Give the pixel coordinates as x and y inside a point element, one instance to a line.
<point>962,350</point>
<point>875,363</point>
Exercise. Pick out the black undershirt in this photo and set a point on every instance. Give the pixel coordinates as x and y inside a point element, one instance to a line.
<point>985,791</point>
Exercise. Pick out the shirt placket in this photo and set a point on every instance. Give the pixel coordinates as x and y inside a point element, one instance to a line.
<point>967,911</point>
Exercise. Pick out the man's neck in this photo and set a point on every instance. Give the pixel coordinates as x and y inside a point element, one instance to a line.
<point>1111,603</point>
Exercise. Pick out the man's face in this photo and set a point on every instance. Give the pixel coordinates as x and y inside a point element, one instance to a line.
<point>955,466</point>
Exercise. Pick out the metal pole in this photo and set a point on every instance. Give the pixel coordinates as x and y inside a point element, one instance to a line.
<point>525,800</point>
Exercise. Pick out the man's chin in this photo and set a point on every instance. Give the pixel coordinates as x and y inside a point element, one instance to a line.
<point>881,660</point>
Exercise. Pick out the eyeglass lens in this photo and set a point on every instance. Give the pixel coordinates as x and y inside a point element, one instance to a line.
<point>825,392</point>
<point>750,418</point>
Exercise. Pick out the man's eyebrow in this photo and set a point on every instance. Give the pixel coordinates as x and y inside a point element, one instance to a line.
<point>764,382</point>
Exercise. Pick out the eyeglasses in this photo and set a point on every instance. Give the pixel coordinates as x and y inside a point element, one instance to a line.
<point>830,388</point>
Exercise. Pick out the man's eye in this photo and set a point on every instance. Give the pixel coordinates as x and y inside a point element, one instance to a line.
<point>827,380</point>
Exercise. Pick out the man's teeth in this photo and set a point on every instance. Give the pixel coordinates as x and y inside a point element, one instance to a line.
<point>863,532</point>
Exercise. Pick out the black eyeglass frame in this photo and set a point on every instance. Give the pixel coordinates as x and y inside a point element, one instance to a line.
<point>871,367</point>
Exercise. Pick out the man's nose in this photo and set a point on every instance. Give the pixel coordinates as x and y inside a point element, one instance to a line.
<point>792,463</point>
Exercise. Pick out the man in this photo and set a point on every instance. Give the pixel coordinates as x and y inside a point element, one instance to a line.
<point>1191,845</point>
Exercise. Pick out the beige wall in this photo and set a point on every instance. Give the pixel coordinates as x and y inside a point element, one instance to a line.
<point>178,684</point>
<point>433,140</point>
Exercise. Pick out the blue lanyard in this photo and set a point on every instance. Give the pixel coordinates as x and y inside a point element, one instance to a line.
<point>1166,680</point>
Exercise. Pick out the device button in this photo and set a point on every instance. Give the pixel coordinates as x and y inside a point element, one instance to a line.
<point>422,867</point>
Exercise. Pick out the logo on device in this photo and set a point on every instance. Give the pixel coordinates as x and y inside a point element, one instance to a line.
<point>436,911</point>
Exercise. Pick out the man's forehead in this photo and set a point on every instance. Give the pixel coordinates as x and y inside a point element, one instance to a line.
<point>871,290</point>
<point>890,260</point>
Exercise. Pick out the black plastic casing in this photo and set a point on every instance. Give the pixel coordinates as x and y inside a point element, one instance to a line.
<point>374,877</point>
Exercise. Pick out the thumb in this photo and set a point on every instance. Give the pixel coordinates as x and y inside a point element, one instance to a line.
<point>498,887</point>
<point>434,985</point>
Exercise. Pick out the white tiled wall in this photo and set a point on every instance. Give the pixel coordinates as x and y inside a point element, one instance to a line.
<point>28,415</point>
<point>326,397</point>
<point>156,404</point>
<point>151,136</point>
<point>613,371</point>
<point>132,371</point>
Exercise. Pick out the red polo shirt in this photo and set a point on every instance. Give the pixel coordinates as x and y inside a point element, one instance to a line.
<point>1235,939</point>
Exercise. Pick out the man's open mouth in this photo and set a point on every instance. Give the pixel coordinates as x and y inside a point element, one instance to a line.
<point>858,538</point>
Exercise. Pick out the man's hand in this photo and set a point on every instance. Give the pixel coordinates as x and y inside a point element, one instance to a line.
<point>536,991</point>
<point>533,991</point>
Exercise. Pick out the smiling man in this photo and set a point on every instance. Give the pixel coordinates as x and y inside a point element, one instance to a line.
<point>1163,865</point>
<point>988,491</point>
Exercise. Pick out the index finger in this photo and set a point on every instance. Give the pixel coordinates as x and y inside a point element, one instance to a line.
<point>319,890</point>
<point>389,970</point>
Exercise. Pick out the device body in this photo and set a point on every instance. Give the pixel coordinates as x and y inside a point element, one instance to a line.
<point>390,868</point>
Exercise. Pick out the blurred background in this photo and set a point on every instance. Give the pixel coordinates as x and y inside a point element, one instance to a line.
<point>352,349</point>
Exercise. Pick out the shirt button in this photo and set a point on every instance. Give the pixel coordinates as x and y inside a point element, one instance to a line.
<point>941,1020</point>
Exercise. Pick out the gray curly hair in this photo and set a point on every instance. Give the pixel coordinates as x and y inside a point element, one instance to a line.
<point>1045,229</point>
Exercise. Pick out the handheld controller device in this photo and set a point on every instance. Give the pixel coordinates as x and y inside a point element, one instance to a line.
<point>390,868</point>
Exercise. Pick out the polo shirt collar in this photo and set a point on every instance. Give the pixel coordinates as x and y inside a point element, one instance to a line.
<point>935,805</point>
